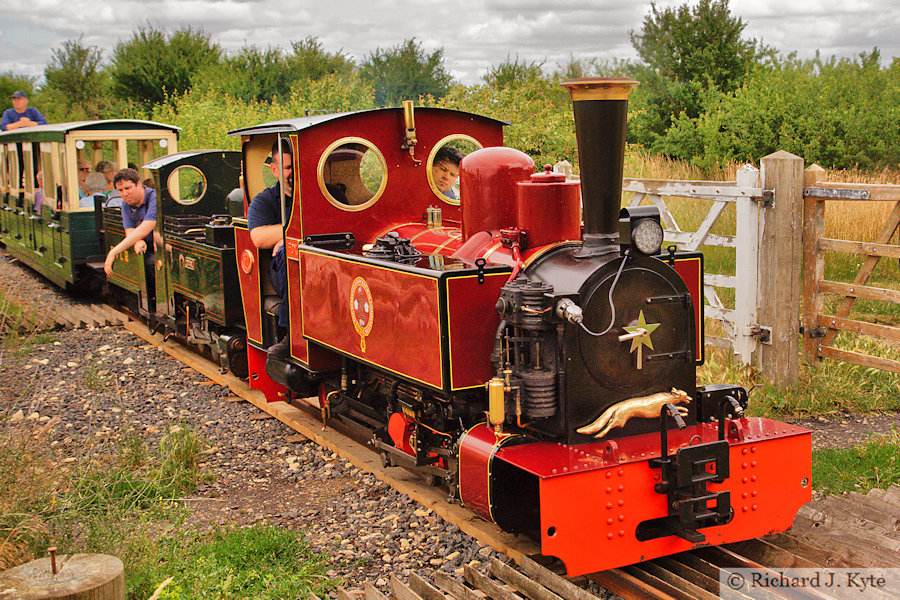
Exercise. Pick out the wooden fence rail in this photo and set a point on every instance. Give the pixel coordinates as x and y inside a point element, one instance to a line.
<point>820,329</point>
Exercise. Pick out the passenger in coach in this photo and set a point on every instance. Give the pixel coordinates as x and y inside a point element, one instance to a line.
<point>95,184</point>
<point>108,168</point>
<point>267,231</point>
<point>445,170</point>
<point>84,169</point>
<point>138,218</point>
<point>39,192</point>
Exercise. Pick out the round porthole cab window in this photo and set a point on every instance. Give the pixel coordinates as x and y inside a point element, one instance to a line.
<point>187,185</point>
<point>352,174</point>
<point>443,165</point>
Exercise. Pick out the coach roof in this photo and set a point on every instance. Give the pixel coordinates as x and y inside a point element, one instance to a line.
<point>57,132</point>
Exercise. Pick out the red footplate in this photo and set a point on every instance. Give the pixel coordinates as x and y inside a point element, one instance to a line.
<point>596,500</point>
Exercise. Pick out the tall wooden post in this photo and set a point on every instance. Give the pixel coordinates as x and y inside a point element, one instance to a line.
<point>746,266</point>
<point>780,268</point>
<point>813,264</point>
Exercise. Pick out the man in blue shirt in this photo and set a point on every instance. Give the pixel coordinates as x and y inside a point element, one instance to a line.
<point>138,217</point>
<point>20,115</point>
<point>267,230</point>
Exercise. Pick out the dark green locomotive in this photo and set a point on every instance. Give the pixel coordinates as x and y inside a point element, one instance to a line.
<point>191,292</point>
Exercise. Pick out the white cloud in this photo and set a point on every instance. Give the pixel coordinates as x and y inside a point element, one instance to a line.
<point>475,34</point>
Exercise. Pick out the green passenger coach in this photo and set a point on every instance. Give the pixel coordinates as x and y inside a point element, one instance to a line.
<point>43,221</point>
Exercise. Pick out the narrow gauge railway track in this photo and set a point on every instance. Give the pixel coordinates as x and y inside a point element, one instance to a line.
<point>866,528</point>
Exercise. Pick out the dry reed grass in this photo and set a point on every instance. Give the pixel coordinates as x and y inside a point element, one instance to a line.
<point>640,164</point>
<point>861,221</point>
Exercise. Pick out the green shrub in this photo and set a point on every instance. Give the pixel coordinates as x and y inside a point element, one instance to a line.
<point>838,113</point>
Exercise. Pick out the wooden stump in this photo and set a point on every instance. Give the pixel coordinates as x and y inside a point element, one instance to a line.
<point>79,577</point>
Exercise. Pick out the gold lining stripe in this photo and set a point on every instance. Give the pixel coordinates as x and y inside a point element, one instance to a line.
<point>491,250</point>
<point>444,244</point>
<point>544,250</point>
<point>371,362</point>
<point>258,294</point>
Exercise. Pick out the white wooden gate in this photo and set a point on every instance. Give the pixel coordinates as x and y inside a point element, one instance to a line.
<point>740,324</point>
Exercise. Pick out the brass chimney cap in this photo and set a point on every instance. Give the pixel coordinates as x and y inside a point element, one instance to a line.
<point>600,88</point>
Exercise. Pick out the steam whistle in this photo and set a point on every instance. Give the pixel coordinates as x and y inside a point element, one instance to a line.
<point>409,120</point>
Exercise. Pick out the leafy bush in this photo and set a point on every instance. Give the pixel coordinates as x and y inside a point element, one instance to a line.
<point>542,123</point>
<point>838,113</point>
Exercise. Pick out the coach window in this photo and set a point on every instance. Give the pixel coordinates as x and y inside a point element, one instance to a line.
<point>4,180</point>
<point>48,174</point>
<point>12,158</point>
<point>463,145</point>
<point>63,196</point>
<point>352,174</point>
<point>29,172</point>
<point>186,185</point>
<point>141,152</point>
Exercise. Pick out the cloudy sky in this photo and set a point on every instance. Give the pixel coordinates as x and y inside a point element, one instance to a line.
<point>474,33</point>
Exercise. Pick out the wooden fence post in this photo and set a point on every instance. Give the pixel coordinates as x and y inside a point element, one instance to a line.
<point>780,268</point>
<point>746,265</point>
<point>813,263</point>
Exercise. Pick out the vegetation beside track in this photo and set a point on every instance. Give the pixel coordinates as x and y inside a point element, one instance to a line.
<point>126,502</point>
<point>124,498</point>
<point>873,464</point>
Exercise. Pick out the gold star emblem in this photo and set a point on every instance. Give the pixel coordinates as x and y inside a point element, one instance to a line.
<point>640,336</point>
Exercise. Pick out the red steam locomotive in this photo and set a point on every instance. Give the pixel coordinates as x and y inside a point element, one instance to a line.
<point>541,368</point>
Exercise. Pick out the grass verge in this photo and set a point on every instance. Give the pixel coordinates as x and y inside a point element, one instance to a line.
<point>874,464</point>
<point>829,388</point>
<point>256,562</point>
<point>123,499</point>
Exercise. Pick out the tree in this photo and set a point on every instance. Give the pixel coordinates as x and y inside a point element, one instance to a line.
<point>268,74</point>
<point>701,43</point>
<point>75,81</point>
<point>405,72</point>
<point>513,73</point>
<point>688,52</point>
<point>311,61</point>
<point>9,83</point>
<point>153,64</point>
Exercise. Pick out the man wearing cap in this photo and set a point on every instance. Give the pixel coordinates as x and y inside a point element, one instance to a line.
<point>21,115</point>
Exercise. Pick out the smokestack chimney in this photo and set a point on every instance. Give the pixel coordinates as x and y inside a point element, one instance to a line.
<point>600,106</point>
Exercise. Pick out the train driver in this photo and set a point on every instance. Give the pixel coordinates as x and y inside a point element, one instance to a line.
<point>138,218</point>
<point>445,170</point>
<point>267,231</point>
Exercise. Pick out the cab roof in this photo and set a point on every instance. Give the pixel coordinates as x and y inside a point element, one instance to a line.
<point>301,123</point>
<point>168,159</point>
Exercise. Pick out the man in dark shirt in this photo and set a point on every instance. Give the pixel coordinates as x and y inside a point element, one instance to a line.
<point>266,226</point>
<point>138,217</point>
<point>20,115</point>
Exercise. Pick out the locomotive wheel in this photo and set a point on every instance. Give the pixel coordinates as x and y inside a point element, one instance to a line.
<point>386,460</point>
